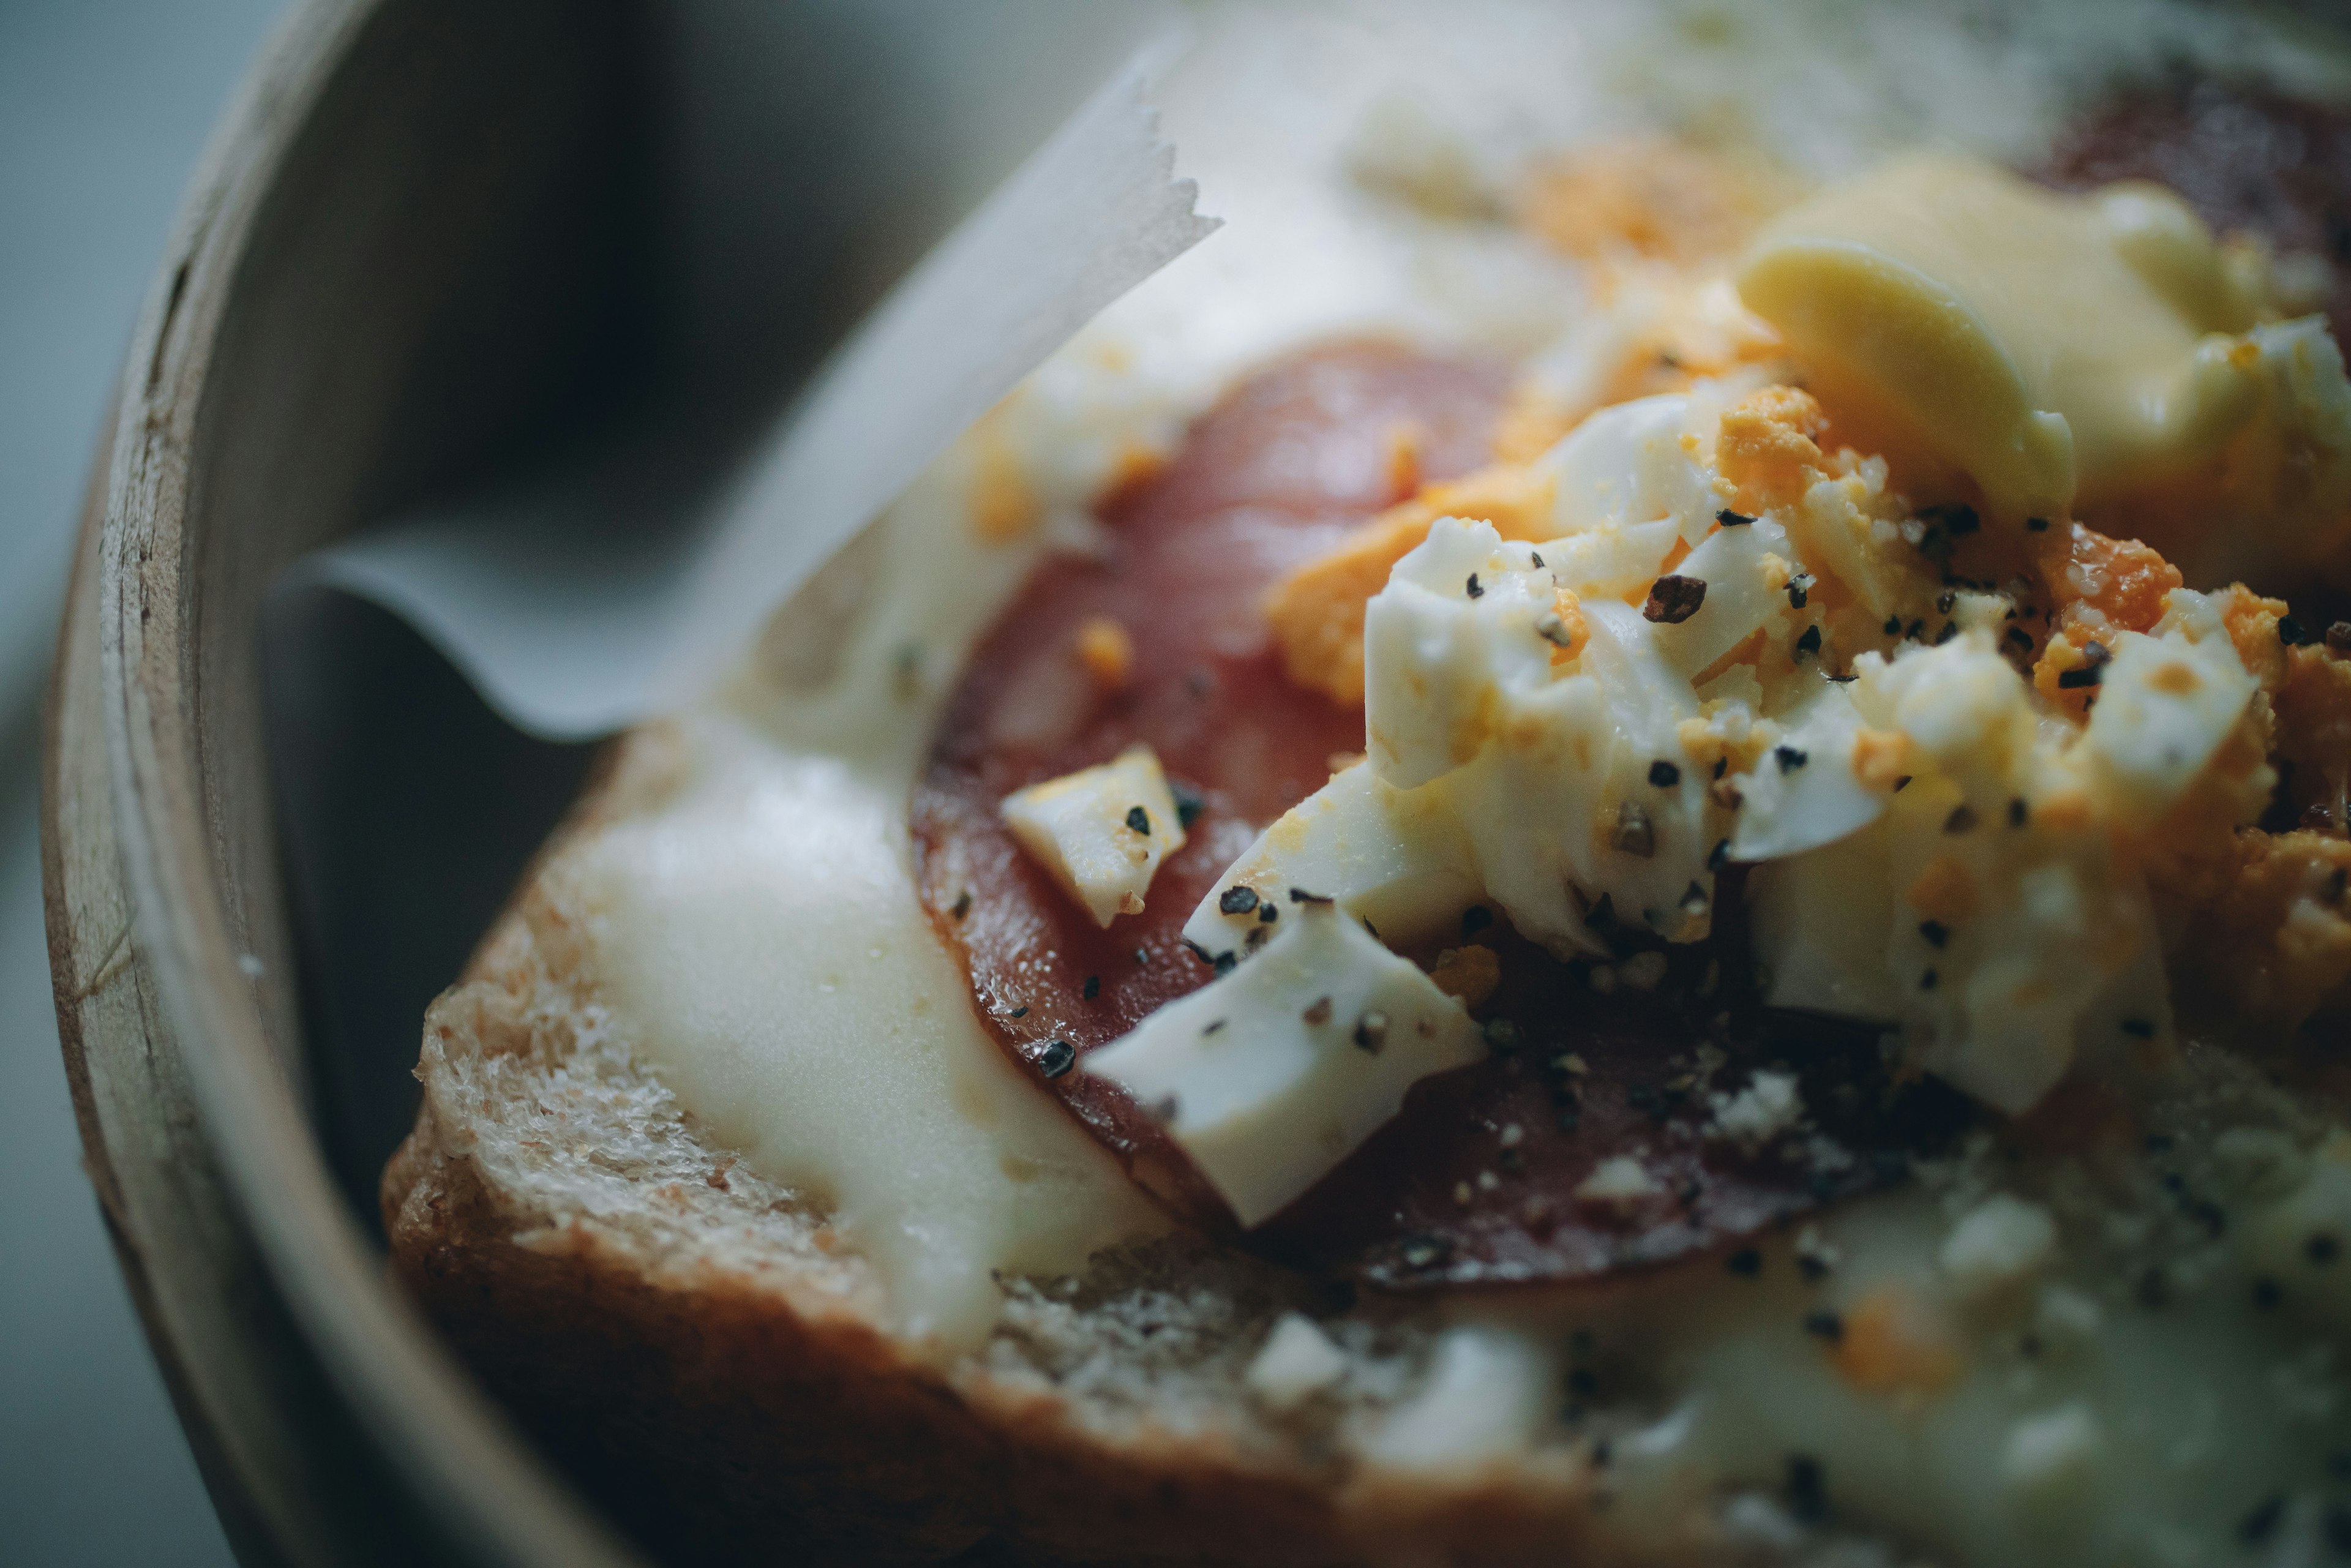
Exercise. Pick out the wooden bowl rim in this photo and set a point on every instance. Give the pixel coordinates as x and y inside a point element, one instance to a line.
<point>126,675</point>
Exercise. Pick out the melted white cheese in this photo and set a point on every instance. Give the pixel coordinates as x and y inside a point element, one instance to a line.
<point>762,948</point>
<point>761,944</point>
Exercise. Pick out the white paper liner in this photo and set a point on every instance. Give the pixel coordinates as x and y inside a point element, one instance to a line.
<point>580,602</point>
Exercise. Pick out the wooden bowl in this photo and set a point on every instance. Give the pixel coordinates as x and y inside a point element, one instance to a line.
<point>430,237</point>
<point>335,327</point>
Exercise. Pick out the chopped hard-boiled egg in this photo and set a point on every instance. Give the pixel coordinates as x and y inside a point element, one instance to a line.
<point>1271,1074</point>
<point>1583,761</point>
<point>1696,632</point>
<point>1988,910</point>
<point>1583,730</point>
<point>1390,857</point>
<point>1101,831</point>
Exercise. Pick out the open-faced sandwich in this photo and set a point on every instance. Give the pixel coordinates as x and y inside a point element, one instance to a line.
<point>1622,838</point>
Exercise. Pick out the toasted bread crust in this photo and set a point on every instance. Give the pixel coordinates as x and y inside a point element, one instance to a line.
<point>695,1348</point>
<point>717,1423</point>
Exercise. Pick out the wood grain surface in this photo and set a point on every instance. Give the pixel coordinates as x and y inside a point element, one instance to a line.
<point>346,312</point>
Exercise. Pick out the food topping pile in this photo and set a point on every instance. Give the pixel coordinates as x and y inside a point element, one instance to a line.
<point>1870,709</point>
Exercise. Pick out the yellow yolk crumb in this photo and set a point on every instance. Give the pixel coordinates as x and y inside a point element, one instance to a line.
<point>1003,505</point>
<point>1466,974</point>
<point>1894,1342</point>
<point>1881,757</point>
<point>1769,445</point>
<point>1317,611</point>
<point>1943,891</point>
<point>2277,940</point>
<point>1647,200</point>
<point>2064,655</point>
<point>1134,464</point>
<point>2309,693</point>
<point>1107,652</point>
<point>2122,580</point>
<point>2252,623</point>
<point>1706,747</point>
<point>1404,459</point>
<point>1567,639</point>
<point>2066,811</point>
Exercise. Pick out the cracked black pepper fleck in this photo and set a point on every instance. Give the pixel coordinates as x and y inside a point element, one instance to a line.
<point>1674,600</point>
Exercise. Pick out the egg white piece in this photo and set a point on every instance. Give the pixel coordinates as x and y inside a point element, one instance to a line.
<point>2165,704</point>
<point>1393,858</point>
<point>1274,1072</point>
<point>1803,793</point>
<point>1101,831</point>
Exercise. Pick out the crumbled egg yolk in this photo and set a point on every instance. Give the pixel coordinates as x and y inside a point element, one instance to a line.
<point>1106,652</point>
<point>1004,506</point>
<point>1649,200</point>
<point>1981,858</point>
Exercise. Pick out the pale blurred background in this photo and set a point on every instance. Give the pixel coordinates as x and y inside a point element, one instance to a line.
<point>104,108</point>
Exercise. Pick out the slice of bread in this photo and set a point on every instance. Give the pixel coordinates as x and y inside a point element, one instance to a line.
<point>712,1363</point>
